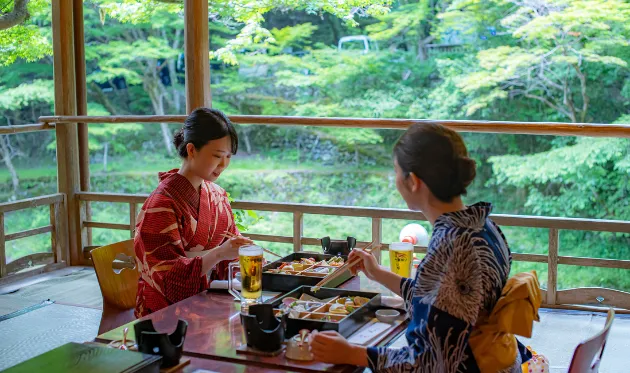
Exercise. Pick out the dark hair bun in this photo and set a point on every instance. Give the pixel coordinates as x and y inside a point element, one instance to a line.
<point>438,156</point>
<point>178,139</point>
<point>466,172</point>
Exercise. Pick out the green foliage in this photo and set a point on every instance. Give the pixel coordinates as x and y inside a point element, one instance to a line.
<point>554,45</point>
<point>26,95</point>
<point>31,40</point>
<point>244,218</point>
<point>298,36</point>
<point>401,24</point>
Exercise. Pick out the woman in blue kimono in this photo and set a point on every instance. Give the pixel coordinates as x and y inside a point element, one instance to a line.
<point>458,281</point>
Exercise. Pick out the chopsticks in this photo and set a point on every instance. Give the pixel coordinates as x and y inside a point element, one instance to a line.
<point>227,234</point>
<point>341,269</point>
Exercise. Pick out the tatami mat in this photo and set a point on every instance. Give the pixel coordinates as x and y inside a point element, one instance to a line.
<point>80,287</point>
<point>44,329</point>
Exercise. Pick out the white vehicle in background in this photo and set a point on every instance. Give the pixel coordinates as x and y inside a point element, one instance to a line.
<point>356,43</point>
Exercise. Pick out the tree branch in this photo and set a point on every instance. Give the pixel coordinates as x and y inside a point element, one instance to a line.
<point>16,16</point>
<point>585,98</point>
<point>551,105</point>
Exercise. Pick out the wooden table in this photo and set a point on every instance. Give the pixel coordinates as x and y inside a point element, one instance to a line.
<point>215,332</point>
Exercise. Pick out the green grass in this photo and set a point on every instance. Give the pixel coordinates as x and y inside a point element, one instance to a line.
<point>29,173</point>
<point>139,164</point>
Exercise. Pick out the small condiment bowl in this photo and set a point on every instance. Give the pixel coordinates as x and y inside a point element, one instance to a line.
<point>393,302</point>
<point>298,351</point>
<point>387,315</point>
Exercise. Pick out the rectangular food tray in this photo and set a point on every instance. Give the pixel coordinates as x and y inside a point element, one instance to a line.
<point>345,324</point>
<point>287,282</point>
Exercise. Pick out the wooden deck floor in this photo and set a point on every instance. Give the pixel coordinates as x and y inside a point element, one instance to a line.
<point>77,296</point>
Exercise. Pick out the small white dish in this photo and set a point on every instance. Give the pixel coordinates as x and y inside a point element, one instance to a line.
<point>393,302</point>
<point>387,315</point>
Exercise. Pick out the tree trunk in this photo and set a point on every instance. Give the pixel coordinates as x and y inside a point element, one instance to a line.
<point>173,73</point>
<point>157,99</point>
<point>166,134</point>
<point>16,16</point>
<point>156,91</point>
<point>422,45</point>
<point>248,145</point>
<point>105,151</point>
<point>102,99</point>
<point>6,157</point>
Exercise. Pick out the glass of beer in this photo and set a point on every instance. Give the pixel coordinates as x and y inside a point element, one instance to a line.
<point>250,259</point>
<point>401,258</point>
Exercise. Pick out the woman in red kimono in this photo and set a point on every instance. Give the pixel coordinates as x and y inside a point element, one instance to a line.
<point>178,235</point>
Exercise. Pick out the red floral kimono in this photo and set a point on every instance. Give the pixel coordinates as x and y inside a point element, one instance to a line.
<point>175,226</point>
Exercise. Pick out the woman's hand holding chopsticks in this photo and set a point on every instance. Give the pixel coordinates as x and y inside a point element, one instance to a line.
<point>367,264</point>
<point>231,236</point>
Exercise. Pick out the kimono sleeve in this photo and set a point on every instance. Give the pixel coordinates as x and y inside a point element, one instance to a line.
<point>444,309</point>
<point>220,271</point>
<point>406,291</point>
<point>161,252</point>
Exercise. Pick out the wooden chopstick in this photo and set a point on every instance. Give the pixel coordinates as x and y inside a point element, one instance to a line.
<point>231,235</point>
<point>342,269</point>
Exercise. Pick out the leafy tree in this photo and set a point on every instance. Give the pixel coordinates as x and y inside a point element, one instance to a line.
<point>556,43</point>
<point>30,40</point>
<point>34,95</point>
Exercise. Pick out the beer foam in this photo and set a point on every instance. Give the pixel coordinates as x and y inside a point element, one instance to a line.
<point>401,246</point>
<point>250,250</point>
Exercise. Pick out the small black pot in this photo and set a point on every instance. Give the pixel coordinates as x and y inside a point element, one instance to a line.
<point>263,330</point>
<point>170,347</point>
<point>338,247</point>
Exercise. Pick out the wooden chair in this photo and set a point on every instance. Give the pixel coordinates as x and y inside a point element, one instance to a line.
<point>118,281</point>
<point>588,354</point>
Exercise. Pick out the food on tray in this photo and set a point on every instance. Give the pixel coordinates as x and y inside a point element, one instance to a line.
<point>310,265</point>
<point>324,270</point>
<point>338,309</point>
<point>309,307</point>
<point>336,261</point>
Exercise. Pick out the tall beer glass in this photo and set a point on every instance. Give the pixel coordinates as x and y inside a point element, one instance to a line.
<point>250,259</point>
<point>401,258</point>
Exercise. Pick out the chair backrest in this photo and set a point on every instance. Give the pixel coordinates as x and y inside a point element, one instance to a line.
<point>118,281</point>
<point>588,354</point>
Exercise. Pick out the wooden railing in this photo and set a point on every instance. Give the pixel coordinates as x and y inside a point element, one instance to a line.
<point>24,128</point>
<point>553,297</point>
<point>41,262</point>
<point>529,128</point>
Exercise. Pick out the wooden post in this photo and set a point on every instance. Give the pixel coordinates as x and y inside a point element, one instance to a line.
<point>377,236</point>
<point>552,265</point>
<point>3,253</point>
<point>82,128</point>
<point>132,218</point>
<point>56,238</point>
<point>197,54</point>
<point>67,137</point>
<point>298,231</point>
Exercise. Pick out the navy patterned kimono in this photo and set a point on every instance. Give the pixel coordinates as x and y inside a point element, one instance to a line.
<point>465,269</point>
